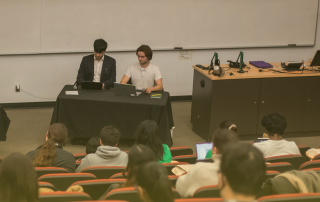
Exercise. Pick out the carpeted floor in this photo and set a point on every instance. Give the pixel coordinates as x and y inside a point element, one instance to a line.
<point>28,128</point>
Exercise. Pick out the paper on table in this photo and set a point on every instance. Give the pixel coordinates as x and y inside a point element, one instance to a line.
<point>72,93</point>
<point>181,169</point>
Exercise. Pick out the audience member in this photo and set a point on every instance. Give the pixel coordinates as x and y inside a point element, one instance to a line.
<point>52,153</point>
<point>18,179</point>
<point>138,155</point>
<point>223,125</point>
<point>92,145</point>
<point>108,154</point>
<point>147,134</point>
<point>203,174</point>
<point>242,172</point>
<point>275,124</point>
<point>154,184</point>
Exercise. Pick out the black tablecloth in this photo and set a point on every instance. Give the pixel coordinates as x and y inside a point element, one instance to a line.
<point>87,113</point>
<point>4,124</point>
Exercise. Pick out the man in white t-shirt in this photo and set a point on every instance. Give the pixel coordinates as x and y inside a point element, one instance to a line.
<point>275,124</point>
<point>143,74</point>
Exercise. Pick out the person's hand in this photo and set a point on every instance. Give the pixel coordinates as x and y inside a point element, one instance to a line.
<point>265,135</point>
<point>148,90</point>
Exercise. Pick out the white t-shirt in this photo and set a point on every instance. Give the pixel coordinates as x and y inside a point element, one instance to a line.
<point>143,77</point>
<point>277,147</point>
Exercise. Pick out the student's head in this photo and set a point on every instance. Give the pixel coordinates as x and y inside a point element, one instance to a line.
<point>144,54</point>
<point>138,155</point>
<point>92,145</point>
<point>18,179</point>
<point>100,46</point>
<point>147,134</point>
<point>110,136</point>
<point>57,133</point>
<point>221,138</point>
<point>153,180</point>
<point>242,172</point>
<point>274,124</point>
<point>228,125</point>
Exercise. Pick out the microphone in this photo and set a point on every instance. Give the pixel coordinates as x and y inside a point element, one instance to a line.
<point>75,85</point>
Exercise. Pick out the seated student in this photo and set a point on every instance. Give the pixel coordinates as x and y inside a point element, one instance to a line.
<point>138,155</point>
<point>242,173</point>
<point>223,125</point>
<point>108,154</point>
<point>203,174</point>
<point>52,153</point>
<point>275,124</point>
<point>18,179</point>
<point>93,145</point>
<point>148,134</point>
<point>154,184</point>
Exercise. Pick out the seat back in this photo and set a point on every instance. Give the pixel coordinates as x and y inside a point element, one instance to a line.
<point>303,149</point>
<point>79,156</point>
<point>63,181</point>
<point>271,173</point>
<point>280,167</point>
<point>310,164</point>
<point>211,191</point>
<point>117,176</point>
<point>310,197</point>
<point>63,196</point>
<point>208,160</point>
<point>104,172</point>
<point>46,185</point>
<point>293,159</point>
<point>199,200</point>
<point>178,151</point>
<point>173,179</point>
<point>317,170</point>
<point>192,159</point>
<point>96,188</point>
<point>169,166</point>
<point>49,170</point>
<point>316,157</point>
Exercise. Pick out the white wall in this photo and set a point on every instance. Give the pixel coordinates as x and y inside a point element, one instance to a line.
<point>45,75</point>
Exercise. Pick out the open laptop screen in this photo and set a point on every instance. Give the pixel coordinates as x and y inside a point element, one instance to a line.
<point>202,150</point>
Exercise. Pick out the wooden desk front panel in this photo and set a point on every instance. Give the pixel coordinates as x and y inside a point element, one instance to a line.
<point>312,105</point>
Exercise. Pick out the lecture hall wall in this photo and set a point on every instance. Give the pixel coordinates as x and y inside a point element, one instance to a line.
<point>44,75</point>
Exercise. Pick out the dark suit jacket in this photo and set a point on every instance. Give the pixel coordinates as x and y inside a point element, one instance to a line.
<point>108,71</point>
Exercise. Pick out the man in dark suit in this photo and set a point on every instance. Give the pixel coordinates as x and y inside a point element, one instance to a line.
<point>98,67</point>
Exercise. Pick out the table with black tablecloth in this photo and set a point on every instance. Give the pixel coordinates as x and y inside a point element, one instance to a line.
<point>4,124</point>
<point>87,113</point>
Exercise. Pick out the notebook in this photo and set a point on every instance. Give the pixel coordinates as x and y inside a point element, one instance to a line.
<point>260,64</point>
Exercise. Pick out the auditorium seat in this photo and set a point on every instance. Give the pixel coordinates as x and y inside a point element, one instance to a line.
<point>310,164</point>
<point>49,170</point>
<point>130,194</point>
<point>199,200</point>
<point>178,151</point>
<point>207,160</point>
<point>293,159</point>
<point>63,181</point>
<point>169,166</point>
<point>280,167</point>
<point>317,170</point>
<point>310,197</point>
<point>271,173</point>
<point>46,185</point>
<point>173,179</point>
<point>96,188</point>
<point>117,176</point>
<point>317,157</point>
<point>211,191</point>
<point>303,149</point>
<point>79,156</point>
<point>192,159</point>
<point>104,172</point>
<point>63,196</point>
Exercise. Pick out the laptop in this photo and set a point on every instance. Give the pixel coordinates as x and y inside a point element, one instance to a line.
<point>202,150</point>
<point>91,85</point>
<point>316,59</point>
<point>294,66</point>
<point>260,140</point>
<point>125,89</point>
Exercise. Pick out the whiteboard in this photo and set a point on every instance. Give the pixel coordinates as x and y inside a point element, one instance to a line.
<point>20,26</point>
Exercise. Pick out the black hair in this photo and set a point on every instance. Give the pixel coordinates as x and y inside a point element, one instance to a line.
<point>138,155</point>
<point>274,124</point>
<point>228,125</point>
<point>147,134</point>
<point>92,145</point>
<point>110,136</point>
<point>244,168</point>
<point>100,45</point>
<point>153,178</point>
<point>18,179</point>
<point>222,137</point>
<point>147,51</point>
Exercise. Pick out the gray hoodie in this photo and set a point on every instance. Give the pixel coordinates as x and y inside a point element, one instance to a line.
<point>104,156</point>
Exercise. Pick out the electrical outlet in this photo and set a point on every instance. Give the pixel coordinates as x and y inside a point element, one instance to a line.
<point>17,88</point>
